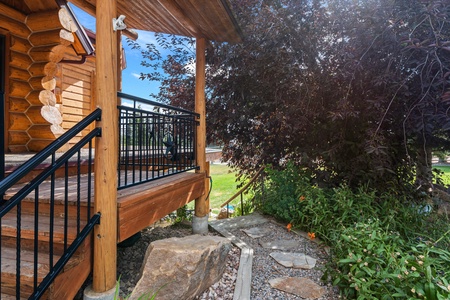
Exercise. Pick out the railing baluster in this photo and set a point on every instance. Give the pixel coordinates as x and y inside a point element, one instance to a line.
<point>78,191</point>
<point>89,195</point>
<point>140,139</point>
<point>127,146</point>
<point>154,153</point>
<point>159,142</point>
<point>18,248</point>
<point>52,214</point>
<point>66,202</point>
<point>2,132</point>
<point>36,237</point>
<point>133,159</point>
<point>147,145</point>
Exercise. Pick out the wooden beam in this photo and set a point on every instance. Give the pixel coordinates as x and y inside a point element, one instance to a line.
<point>12,13</point>
<point>106,149</point>
<point>53,20</point>
<point>14,27</point>
<point>145,204</point>
<point>201,203</point>
<point>130,33</point>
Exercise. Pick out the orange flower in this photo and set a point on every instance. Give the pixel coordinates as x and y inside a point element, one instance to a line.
<point>311,235</point>
<point>302,198</point>
<point>289,226</point>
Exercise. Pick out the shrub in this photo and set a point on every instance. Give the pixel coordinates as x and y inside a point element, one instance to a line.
<point>280,195</point>
<point>384,245</point>
<point>375,263</point>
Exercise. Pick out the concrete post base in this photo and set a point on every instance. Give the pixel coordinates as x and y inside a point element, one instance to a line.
<point>200,224</point>
<point>89,294</point>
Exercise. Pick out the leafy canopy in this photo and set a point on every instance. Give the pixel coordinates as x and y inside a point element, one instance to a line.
<point>354,91</point>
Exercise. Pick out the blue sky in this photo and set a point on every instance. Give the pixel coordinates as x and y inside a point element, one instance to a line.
<point>130,76</point>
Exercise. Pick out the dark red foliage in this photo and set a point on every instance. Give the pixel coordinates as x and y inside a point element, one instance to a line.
<point>350,89</point>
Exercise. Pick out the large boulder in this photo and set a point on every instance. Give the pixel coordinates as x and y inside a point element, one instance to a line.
<point>182,268</point>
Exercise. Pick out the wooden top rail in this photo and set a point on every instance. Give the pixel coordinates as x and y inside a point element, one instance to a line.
<point>244,188</point>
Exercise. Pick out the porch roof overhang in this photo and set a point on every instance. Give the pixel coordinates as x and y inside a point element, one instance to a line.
<point>209,19</point>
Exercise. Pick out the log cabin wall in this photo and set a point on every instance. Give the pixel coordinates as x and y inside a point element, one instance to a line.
<point>34,104</point>
<point>51,35</point>
<point>75,91</point>
<point>20,91</point>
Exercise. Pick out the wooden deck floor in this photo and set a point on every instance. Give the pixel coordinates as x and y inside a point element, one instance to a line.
<point>138,206</point>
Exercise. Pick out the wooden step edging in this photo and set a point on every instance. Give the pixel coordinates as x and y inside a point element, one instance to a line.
<point>242,287</point>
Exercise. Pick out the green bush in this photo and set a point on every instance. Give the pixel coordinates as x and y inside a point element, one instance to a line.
<point>385,245</point>
<point>291,198</point>
<point>280,192</point>
<point>375,263</point>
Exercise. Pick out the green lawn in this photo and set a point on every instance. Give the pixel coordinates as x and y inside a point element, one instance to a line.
<point>223,186</point>
<point>446,175</point>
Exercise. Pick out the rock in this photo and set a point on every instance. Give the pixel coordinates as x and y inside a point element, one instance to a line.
<point>182,268</point>
<point>302,287</point>
<point>294,260</point>
<point>256,232</point>
<point>285,245</point>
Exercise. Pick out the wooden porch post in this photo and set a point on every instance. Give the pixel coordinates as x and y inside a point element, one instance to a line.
<point>106,150</point>
<point>200,222</point>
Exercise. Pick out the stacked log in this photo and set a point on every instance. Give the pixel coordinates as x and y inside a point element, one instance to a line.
<point>20,88</point>
<point>51,33</point>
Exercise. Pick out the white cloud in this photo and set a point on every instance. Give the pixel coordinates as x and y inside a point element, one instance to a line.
<point>136,75</point>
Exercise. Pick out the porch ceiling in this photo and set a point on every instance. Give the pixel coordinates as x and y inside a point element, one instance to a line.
<point>210,19</point>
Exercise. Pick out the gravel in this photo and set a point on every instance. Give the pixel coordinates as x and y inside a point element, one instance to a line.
<point>264,267</point>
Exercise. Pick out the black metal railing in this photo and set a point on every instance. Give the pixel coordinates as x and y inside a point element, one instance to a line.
<point>32,206</point>
<point>155,140</point>
<point>2,136</point>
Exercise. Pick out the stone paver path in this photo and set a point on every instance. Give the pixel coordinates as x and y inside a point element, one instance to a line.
<point>284,253</point>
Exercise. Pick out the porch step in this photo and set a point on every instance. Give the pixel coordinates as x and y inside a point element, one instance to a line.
<point>27,223</point>
<point>8,273</point>
<point>60,173</point>
<point>10,297</point>
<point>77,269</point>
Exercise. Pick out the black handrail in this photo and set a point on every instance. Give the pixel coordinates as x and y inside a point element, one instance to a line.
<point>154,143</point>
<point>95,220</point>
<point>35,182</point>
<point>37,159</point>
<point>16,201</point>
<point>136,99</point>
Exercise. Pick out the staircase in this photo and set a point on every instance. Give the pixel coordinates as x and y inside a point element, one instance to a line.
<point>46,222</point>
<point>47,217</point>
<point>50,241</point>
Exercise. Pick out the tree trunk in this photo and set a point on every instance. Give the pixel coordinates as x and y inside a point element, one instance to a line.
<point>424,175</point>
